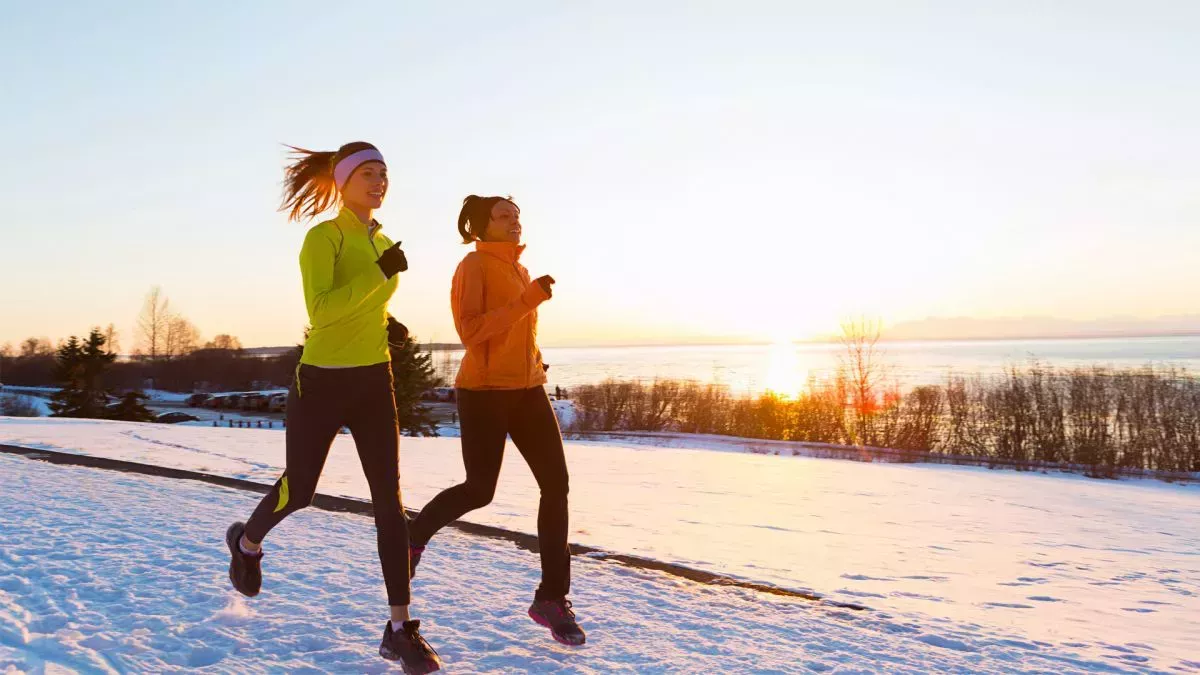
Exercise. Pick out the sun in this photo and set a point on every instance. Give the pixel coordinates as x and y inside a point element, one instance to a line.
<point>785,376</point>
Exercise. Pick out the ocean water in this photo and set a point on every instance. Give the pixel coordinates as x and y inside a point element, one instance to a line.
<point>786,368</point>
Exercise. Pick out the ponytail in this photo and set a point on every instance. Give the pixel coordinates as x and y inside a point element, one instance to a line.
<point>308,185</point>
<point>469,219</point>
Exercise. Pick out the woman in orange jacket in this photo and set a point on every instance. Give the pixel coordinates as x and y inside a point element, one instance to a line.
<point>500,393</point>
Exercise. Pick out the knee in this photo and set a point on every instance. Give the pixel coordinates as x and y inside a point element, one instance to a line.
<point>300,500</point>
<point>556,490</point>
<point>389,511</point>
<point>479,495</point>
<point>295,496</point>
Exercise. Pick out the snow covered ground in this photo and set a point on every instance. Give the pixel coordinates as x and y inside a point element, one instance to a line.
<point>1103,571</point>
<point>40,404</point>
<point>107,572</point>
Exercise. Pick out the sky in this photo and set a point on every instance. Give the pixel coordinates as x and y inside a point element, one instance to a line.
<point>687,172</point>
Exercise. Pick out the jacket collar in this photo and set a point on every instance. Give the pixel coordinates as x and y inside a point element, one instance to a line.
<point>348,220</point>
<point>504,250</point>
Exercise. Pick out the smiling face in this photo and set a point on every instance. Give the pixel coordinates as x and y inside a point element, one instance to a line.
<point>366,187</point>
<point>505,223</point>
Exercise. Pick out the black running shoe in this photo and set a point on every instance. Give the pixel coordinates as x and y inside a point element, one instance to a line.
<point>244,568</point>
<point>408,647</point>
<point>557,616</point>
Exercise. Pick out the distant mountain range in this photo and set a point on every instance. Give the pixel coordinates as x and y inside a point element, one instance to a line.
<point>966,328</point>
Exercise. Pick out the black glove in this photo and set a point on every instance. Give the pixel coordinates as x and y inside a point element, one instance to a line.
<point>397,333</point>
<point>392,261</point>
<point>545,367</point>
<point>546,281</point>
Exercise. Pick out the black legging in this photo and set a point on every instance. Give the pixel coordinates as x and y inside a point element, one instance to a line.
<point>487,417</point>
<point>320,402</point>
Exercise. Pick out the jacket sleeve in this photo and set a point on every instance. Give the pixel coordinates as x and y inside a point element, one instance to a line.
<point>474,324</point>
<point>328,303</point>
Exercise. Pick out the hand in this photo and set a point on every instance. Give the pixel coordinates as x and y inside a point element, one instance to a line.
<point>392,261</point>
<point>397,333</point>
<point>546,281</point>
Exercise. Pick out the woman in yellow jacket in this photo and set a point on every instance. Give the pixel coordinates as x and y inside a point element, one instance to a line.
<point>350,271</point>
<point>500,393</point>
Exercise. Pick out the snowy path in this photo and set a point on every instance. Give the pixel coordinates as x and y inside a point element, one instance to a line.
<point>108,572</point>
<point>1109,569</point>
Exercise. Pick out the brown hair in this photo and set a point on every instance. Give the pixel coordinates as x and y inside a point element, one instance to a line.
<point>476,214</point>
<point>308,186</point>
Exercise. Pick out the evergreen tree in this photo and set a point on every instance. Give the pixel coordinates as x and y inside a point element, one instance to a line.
<point>413,372</point>
<point>130,409</point>
<point>79,367</point>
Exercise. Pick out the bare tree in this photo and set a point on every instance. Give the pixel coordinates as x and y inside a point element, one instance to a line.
<point>181,338</point>
<point>153,324</point>
<point>224,341</point>
<point>36,347</point>
<point>7,350</point>
<point>862,362</point>
<point>110,339</point>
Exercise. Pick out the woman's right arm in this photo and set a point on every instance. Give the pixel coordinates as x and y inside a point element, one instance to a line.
<point>467,302</point>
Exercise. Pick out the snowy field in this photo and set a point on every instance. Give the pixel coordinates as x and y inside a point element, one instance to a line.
<point>108,572</point>
<point>1104,573</point>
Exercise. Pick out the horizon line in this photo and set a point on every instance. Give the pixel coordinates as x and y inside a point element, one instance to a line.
<point>831,340</point>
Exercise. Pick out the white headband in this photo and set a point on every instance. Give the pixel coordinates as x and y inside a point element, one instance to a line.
<point>343,169</point>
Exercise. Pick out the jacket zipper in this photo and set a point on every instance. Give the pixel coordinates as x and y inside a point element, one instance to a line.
<point>371,230</point>
<point>528,363</point>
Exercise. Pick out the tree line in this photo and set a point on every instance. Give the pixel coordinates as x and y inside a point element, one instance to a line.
<point>169,355</point>
<point>1103,420</point>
